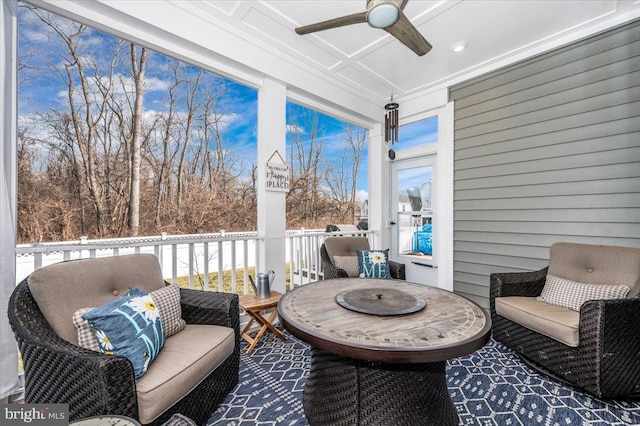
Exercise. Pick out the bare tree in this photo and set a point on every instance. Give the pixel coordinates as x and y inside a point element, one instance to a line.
<point>138,73</point>
<point>162,159</point>
<point>87,96</point>
<point>191,102</point>
<point>305,153</point>
<point>342,176</point>
<point>104,167</point>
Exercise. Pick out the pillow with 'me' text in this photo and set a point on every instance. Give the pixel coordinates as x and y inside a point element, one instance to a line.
<point>374,263</point>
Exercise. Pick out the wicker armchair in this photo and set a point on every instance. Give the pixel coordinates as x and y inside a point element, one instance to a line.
<point>57,370</point>
<point>604,359</point>
<point>347,246</point>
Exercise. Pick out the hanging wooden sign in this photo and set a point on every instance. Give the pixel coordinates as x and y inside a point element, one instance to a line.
<point>277,173</point>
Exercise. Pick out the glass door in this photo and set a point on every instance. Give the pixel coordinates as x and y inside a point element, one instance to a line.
<point>412,205</point>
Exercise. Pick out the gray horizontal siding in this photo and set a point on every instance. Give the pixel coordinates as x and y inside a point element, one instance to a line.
<point>571,201</point>
<point>516,243</point>
<point>587,137</point>
<point>546,150</point>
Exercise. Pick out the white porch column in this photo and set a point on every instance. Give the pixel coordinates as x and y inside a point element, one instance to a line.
<point>272,102</point>
<point>379,188</point>
<point>445,198</point>
<point>9,383</point>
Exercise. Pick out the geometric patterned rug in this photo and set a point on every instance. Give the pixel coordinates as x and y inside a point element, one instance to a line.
<point>488,387</point>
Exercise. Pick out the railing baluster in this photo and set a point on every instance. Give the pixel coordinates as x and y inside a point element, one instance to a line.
<point>174,263</point>
<point>245,266</point>
<point>298,244</point>
<point>37,260</point>
<point>309,258</point>
<point>256,252</point>
<point>301,265</point>
<point>220,266</point>
<point>191,254</point>
<point>316,257</point>
<point>206,266</point>
<point>233,267</point>
<point>320,266</point>
<point>291,263</point>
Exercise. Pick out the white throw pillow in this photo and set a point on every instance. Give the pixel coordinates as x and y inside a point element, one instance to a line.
<point>572,294</point>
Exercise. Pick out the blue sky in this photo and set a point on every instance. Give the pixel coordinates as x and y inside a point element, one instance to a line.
<point>42,89</point>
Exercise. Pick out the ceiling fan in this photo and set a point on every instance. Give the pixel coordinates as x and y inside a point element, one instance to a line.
<point>384,14</point>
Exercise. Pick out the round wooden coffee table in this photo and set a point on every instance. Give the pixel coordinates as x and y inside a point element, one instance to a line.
<point>369,369</point>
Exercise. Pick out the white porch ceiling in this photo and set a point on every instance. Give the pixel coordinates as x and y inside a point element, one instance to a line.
<point>350,71</point>
<point>374,62</point>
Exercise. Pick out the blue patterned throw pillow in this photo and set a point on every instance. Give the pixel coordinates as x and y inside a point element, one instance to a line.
<point>129,326</point>
<point>374,263</point>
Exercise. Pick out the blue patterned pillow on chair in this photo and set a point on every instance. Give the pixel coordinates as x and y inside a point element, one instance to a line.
<point>374,263</point>
<point>129,326</point>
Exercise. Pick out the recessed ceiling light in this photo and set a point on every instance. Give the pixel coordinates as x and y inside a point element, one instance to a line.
<point>459,46</point>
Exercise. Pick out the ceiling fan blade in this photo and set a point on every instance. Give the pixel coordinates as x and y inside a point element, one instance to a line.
<point>404,31</point>
<point>356,18</point>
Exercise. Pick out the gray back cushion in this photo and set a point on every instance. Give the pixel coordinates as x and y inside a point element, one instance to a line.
<point>345,246</point>
<point>597,264</point>
<point>63,288</point>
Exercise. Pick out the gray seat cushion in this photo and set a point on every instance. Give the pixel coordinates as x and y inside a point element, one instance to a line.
<point>185,360</point>
<point>553,321</point>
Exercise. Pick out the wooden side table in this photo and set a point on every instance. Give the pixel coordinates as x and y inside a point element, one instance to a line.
<point>253,306</point>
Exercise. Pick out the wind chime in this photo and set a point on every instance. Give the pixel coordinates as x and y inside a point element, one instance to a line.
<point>391,125</point>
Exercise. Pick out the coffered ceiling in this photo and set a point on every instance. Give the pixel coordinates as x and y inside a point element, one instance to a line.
<point>376,64</point>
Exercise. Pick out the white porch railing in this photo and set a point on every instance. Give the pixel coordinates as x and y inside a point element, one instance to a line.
<point>196,257</point>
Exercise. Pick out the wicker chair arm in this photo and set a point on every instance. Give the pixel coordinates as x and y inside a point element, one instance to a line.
<point>397,270</point>
<point>610,332</point>
<point>69,371</point>
<point>57,371</point>
<point>329,271</point>
<point>528,284</point>
<point>213,308</point>
<point>614,323</point>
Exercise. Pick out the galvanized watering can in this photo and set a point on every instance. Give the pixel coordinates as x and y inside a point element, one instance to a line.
<point>263,288</point>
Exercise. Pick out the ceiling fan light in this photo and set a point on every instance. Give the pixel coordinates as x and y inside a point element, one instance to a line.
<point>383,15</point>
<point>459,46</point>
